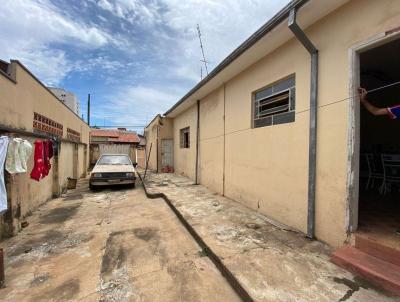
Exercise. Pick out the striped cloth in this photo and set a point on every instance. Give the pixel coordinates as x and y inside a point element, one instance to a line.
<point>394,112</point>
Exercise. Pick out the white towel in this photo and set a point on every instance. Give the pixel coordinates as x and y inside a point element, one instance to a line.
<point>19,151</point>
<point>3,152</point>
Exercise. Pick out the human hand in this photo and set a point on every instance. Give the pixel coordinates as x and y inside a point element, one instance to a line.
<point>362,92</point>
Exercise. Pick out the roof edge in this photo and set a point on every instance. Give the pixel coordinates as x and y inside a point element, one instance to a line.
<point>154,118</point>
<point>253,39</point>
<point>45,87</point>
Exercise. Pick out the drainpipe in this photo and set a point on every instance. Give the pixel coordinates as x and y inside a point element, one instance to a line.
<point>197,143</point>
<point>157,143</point>
<point>301,36</point>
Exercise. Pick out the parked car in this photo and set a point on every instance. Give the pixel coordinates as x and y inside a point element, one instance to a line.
<point>113,169</point>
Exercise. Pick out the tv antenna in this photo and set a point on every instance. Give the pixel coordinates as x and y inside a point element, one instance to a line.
<point>202,52</point>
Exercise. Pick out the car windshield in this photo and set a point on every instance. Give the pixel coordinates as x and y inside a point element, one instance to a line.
<point>114,160</point>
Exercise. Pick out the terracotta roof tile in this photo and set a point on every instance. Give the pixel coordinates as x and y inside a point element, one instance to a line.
<point>116,135</point>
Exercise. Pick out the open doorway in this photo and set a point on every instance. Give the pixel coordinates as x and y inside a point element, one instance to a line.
<point>379,190</point>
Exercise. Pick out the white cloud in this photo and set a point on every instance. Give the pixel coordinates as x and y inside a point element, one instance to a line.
<point>224,25</point>
<point>28,28</point>
<point>136,105</point>
<point>143,12</point>
<point>151,43</point>
<point>53,67</point>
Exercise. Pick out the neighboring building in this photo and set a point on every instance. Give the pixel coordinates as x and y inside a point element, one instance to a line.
<point>142,141</point>
<point>31,111</point>
<point>68,98</point>
<point>255,142</point>
<point>159,144</point>
<point>118,141</point>
<point>141,151</point>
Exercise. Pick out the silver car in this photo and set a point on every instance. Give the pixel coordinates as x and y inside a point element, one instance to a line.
<point>113,169</point>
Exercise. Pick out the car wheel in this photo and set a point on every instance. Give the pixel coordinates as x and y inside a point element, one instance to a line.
<point>91,187</point>
<point>133,185</point>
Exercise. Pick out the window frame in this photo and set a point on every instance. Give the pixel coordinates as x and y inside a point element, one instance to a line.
<point>280,116</point>
<point>182,133</point>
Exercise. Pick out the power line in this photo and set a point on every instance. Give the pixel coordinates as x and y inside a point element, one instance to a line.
<point>118,126</point>
<point>334,102</point>
<point>368,91</point>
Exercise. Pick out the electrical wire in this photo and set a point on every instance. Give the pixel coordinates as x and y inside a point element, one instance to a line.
<point>368,91</point>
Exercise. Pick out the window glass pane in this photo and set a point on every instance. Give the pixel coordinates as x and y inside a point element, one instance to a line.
<point>263,93</point>
<point>292,99</point>
<point>185,137</point>
<point>266,121</point>
<point>283,85</point>
<point>114,160</point>
<point>275,104</point>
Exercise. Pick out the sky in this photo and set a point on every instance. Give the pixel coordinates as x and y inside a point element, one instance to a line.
<point>135,57</point>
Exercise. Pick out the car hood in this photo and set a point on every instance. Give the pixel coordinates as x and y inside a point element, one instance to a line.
<point>113,168</point>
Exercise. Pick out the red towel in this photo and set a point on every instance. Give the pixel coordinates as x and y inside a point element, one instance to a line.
<point>38,168</point>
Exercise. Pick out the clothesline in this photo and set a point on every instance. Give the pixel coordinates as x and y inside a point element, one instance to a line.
<point>7,131</point>
<point>368,91</point>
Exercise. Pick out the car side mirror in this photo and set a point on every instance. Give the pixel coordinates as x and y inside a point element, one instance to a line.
<point>134,165</point>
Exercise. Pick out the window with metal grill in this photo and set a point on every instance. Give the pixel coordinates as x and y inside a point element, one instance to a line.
<point>185,137</point>
<point>275,104</point>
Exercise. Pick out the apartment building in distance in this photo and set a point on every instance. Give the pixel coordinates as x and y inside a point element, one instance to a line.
<point>68,98</point>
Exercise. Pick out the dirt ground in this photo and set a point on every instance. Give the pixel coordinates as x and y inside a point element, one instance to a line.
<point>272,262</point>
<point>111,245</point>
<point>118,245</point>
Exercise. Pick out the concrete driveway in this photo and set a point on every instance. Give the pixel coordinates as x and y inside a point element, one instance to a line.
<point>272,262</point>
<point>110,245</point>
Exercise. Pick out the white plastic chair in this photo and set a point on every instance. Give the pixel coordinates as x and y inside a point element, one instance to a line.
<point>391,171</point>
<point>375,170</point>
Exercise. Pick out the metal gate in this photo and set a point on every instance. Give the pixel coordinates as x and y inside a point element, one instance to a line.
<point>115,149</point>
<point>167,159</point>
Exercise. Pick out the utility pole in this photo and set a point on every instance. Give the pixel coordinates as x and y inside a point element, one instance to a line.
<point>202,51</point>
<point>88,109</point>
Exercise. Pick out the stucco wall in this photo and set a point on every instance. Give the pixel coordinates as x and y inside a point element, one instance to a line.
<point>267,168</point>
<point>18,102</point>
<point>152,141</point>
<point>211,159</point>
<point>185,158</point>
<point>165,131</point>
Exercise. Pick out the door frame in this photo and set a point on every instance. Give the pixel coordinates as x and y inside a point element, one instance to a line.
<point>172,151</point>
<point>353,145</point>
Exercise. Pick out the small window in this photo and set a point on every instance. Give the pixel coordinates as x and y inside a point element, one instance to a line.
<point>275,104</point>
<point>185,137</point>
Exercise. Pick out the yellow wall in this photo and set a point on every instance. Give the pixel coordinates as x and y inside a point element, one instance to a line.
<point>18,101</point>
<point>211,159</point>
<point>151,133</point>
<point>185,158</point>
<point>160,128</point>
<point>267,168</point>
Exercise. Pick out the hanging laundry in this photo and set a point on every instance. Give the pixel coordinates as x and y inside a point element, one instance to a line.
<point>47,154</point>
<point>19,151</point>
<point>51,148</point>
<point>39,167</point>
<point>3,153</point>
<point>56,147</point>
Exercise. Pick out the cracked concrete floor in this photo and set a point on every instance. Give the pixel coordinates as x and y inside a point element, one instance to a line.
<point>272,264</point>
<point>110,245</point>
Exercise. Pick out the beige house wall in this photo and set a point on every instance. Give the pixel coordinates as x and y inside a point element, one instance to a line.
<point>160,128</point>
<point>267,168</point>
<point>19,99</point>
<point>185,158</point>
<point>211,153</point>
<point>151,133</point>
